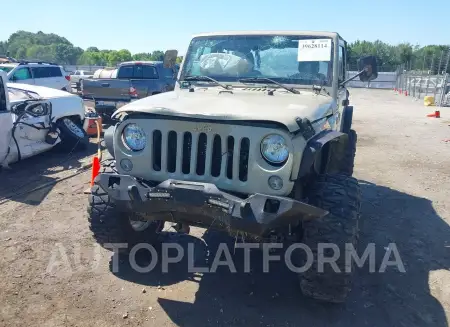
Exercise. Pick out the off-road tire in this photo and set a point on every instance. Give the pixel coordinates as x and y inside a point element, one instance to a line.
<point>69,140</point>
<point>348,161</point>
<point>340,195</point>
<point>110,225</point>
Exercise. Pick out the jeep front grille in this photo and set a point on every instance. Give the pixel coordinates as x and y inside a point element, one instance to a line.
<point>201,154</point>
<point>221,153</point>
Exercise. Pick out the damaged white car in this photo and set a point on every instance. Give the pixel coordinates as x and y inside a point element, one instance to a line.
<point>35,119</point>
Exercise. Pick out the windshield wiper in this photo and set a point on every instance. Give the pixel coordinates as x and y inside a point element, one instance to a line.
<point>204,78</point>
<point>265,79</point>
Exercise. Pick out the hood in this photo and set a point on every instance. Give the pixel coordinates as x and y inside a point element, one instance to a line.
<point>44,92</point>
<point>246,104</point>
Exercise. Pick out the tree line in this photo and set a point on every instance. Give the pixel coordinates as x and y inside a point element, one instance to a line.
<point>410,57</point>
<point>55,48</point>
<point>52,47</point>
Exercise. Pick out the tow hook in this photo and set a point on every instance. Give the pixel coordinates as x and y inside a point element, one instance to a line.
<point>133,192</point>
<point>51,137</point>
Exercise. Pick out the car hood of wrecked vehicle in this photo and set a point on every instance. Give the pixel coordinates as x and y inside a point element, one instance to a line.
<point>239,105</point>
<point>17,92</point>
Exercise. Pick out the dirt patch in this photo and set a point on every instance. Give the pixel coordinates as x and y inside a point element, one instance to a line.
<point>366,141</point>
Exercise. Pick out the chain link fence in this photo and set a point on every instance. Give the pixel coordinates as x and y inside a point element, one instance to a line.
<point>426,75</point>
<point>418,86</point>
<point>431,80</point>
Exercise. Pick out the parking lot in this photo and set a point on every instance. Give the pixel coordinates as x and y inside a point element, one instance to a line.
<point>53,273</point>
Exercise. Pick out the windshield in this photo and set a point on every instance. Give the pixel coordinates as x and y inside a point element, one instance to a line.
<point>304,60</point>
<point>6,68</point>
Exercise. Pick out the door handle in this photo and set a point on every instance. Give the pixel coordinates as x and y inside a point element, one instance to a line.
<point>105,84</point>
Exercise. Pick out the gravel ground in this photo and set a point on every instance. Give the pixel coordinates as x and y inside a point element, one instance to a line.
<point>53,274</point>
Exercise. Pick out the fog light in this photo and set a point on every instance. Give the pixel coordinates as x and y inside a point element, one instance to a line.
<point>275,183</point>
<point>126,164</point>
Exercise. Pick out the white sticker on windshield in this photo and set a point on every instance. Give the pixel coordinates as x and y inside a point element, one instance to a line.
<point>314,50</point>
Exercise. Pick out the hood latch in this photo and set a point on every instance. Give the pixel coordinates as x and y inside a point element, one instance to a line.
<point>305,127</point>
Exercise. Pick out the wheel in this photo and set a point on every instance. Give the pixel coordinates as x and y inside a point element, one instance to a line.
<point>340,195</point>
<point>110,225</point>
<point>348,161</point>
<point>73,136</point>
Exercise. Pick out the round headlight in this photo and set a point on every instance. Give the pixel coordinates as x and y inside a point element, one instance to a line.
<point>134,137</point>
<point>274,149</point>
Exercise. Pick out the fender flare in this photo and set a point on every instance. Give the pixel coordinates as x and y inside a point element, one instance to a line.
<point>108,137</point>
<point>313,149</point>
<point>347,119</point>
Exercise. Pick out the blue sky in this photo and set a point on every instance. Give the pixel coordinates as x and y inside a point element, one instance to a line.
<point>144,26</point>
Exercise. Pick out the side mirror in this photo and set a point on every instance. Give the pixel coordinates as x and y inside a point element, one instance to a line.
<point>13,78</point>
<point>170,58</point>
<point>368,66</point>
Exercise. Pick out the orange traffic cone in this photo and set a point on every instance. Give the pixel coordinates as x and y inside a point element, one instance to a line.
<point>436,114</point>
<point>96,159</point>
<point>95,169</point>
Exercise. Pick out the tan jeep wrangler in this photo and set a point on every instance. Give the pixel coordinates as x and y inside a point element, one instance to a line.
<point>255,140</point>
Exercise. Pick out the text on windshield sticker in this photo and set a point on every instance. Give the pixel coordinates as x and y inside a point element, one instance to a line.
<point>314,50</point>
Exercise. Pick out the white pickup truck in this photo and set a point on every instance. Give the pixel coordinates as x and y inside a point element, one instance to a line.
<point>77,76</point>
<point>34,119</point>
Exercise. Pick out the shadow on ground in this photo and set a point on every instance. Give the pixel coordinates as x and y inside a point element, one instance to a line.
<point>37,171</point>
<point>378,299</point>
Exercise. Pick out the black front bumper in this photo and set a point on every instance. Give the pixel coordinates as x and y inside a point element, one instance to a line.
<point>203,204</point>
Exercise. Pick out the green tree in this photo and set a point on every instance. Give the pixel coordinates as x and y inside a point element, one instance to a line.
<point>21,53</point>
<point>124,55</point>
<point>144,56</point>
<point>41,52</point>
<point>90,58</point>
<point>3,47</point>
<point>157,55</point>
<point>52,47</point>
<point>405,53</point>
